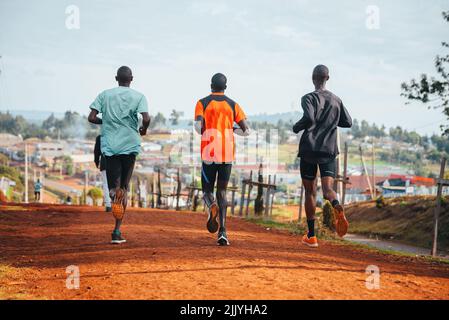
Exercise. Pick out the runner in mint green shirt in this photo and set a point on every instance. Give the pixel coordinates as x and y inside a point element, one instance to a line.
<point>120,108</point>
<point>120,141</point>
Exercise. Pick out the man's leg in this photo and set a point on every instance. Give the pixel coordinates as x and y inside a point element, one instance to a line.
<point>328,174</point>
<point>113,173</point>
<point>224,174</point>
<point>310,205</point>
<point>127,162</point>
<point>208,177</point>
<point>106,196</point>
<point>308,176</point>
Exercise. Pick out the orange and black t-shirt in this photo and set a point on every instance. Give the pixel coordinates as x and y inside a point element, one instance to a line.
<point>219,114</point>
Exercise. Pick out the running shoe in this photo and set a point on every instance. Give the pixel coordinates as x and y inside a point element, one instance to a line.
<point>212,223</point>
<point>223,238</point>
<point>341,224</point>
<point>117,238</point>
<point>310,242</point>
<point>118,210</point>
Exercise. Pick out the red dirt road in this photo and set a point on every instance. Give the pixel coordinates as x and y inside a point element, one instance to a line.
<point>170,255</point>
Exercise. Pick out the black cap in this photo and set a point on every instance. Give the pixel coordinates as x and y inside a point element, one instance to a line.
<point>218,82</point>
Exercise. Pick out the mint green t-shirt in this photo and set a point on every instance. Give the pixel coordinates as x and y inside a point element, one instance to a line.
<point>120,108</point>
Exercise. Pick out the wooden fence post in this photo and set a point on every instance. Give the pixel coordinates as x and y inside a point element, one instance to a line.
<point>178,192</point>
<point>272,196</point>
<point>258,202</point>
<point>242,197</point>
<point>438,208</point>
<point>152,191</point>
<point>233,195</point>
<point>159,191</point>
<point>267,197</point>
<point>249,192</point>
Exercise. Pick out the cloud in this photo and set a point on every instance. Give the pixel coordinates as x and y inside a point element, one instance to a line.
<point>209,8</point>
<point>305,39</point>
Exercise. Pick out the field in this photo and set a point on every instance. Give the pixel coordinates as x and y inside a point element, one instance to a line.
<point>169,255</point>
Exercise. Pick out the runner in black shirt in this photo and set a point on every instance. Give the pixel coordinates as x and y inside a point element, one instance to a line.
<point>323,113</point>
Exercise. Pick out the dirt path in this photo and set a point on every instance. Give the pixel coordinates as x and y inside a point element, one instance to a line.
<point>169,255</point>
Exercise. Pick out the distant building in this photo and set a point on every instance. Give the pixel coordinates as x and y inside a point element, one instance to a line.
<point>406,184</point>
<point>151,147</point>
<point>50,150</point>
<point>8,140</point>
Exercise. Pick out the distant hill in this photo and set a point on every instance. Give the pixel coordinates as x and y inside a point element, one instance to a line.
<point>38,116</point>
<point>274,118</point>
<point>34,116</point>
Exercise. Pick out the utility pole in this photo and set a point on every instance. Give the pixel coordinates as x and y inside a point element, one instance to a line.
<point>366,173</point>
<point>337,160</point>
<point>26,173</point>
<point>86,185</point>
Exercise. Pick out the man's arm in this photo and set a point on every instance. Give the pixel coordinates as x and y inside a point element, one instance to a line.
<point>97,151</point>
<point>92,118</point>
<point>198,124</point>
<point>146,120</point>
<point>345,119</point>
<point>308,117</point>
<point>302,124</point>
<point>243,129</point>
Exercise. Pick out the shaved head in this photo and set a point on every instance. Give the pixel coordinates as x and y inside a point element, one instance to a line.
<point>218,82</point>
<point>320,74</point>
<point>124,75</point>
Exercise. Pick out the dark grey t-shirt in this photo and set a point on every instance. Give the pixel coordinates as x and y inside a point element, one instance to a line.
<point>323,113</point>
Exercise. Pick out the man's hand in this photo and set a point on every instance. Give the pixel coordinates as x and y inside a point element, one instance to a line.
<point>92,118</point>
<point>142,131</point>
<point>145,123</point>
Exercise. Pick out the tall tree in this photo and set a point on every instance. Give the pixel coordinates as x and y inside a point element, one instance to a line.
<point>432,91</point>
<point>174,116</point>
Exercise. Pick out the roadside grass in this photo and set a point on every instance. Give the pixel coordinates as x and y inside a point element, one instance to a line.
<point>327,235</point>
<point>408,220</point>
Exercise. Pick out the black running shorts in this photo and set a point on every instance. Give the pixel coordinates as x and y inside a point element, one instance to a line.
<point>220,172</point>
<point>119,169</point>
<point>309,170</point>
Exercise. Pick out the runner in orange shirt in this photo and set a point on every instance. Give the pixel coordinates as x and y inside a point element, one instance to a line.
<point>215,116</point>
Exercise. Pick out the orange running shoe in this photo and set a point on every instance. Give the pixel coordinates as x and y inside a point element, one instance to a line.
<point>341,224</point>
<point>310,242</point>
<point>118,209</point>
<point>212,214</point>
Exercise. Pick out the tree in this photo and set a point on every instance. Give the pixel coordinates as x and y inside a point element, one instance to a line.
<point>174,117</point>
<point>430,90</point>
<point>158,120</point>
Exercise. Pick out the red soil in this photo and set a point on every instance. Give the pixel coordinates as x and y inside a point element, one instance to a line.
<point>170,255</point>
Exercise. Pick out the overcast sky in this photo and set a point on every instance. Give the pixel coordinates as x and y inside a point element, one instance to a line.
<point>267,48</point>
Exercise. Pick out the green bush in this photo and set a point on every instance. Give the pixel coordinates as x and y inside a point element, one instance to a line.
<point>95,193</point>
<point>328,216</point>
<point>380,202</point>
<point>14,175</point>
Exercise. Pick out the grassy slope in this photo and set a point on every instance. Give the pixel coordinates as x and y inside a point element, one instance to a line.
<point>323,233</point>
<point>406,219</point>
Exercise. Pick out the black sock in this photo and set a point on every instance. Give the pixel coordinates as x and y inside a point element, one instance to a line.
<point>335,203</point>
<point>311,226</point>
